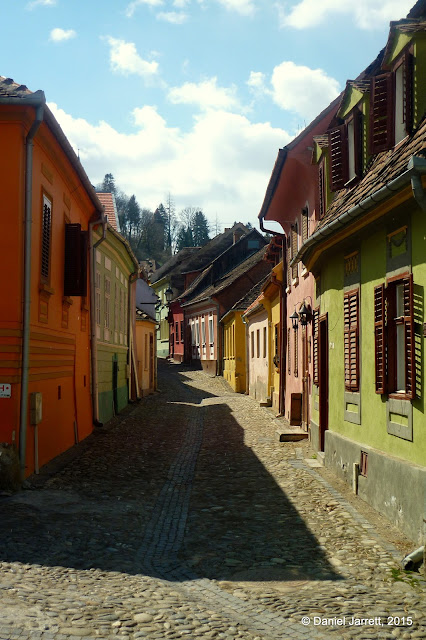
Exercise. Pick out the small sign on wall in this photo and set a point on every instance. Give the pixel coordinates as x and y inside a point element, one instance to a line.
<point>5,390</point>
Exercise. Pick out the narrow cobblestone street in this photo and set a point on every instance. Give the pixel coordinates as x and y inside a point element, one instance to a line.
<point>187,518</point>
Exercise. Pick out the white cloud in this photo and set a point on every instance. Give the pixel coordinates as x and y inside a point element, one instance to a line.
<point>223,163</point>
<point>206,95</point>
<point>125,59</point>
<point>174,17</point>
<point>366,14</point>
<point>132,6</point>
<point>244,7</point>
<point>43,3</point>
<point>296,88</point>
<point>59,35</point>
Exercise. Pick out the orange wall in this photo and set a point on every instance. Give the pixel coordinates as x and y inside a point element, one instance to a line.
<point>59,344</point>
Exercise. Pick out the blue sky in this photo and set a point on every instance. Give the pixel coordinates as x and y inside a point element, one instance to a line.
<point>190,97</point>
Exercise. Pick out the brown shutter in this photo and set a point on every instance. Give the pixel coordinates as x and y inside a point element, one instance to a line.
<point>321,190</point>
<point>305,212</point>
<point>294,250</point>
<point>358,142</point>
<point>45,239</point>
<point>351,340</point>
<point>408,91</point>
<point>338,145</point>
<point>380,338</point>
<point>381,113</point>
<point>75,262</point>
<point>315,350</point>
<point>410,387</point>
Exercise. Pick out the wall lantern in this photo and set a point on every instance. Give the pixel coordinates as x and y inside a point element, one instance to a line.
<point>294,319</point>
<point>169,294</point>
<point>304,314</point>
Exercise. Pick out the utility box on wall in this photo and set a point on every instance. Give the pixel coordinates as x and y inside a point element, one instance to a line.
<point>36,407</point>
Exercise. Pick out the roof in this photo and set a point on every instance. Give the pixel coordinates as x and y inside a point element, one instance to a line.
<point>13,93</point>
<point>385,167</point>
<point>215,247</point>
<point>108,201</point>
<point>174,264</point>
<point>229,278</point>
<point>251,296</point>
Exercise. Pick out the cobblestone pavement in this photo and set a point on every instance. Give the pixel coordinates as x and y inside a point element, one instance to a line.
<point>187,518</point>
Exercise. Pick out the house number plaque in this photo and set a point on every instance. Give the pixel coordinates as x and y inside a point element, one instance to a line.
<point>5,390</point>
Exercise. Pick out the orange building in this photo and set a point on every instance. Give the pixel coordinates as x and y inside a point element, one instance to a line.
<point>49,210</point>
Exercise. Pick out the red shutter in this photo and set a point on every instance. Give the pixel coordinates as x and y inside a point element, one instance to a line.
<point>351,340</point>
<point>305,212</point>
<point>338,145</point>
<point>380,338</point>
<point>408,91</point>
<point>381,113</point>
<point>315,342</point>
<point>410,386</point>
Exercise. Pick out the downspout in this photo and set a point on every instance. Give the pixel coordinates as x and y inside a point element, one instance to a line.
<point>247,343</point>
<point>283,306</point>
<point>418,166</point>
<point>94,344</point>
<point>133,277</point>
<point>26,315</point>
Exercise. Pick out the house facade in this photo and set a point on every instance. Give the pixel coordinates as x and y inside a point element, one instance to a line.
<point>116,271</point>
<point>367,256</point>
<point>292,200</point>
<point>52,209</point>
<point>146,337</point>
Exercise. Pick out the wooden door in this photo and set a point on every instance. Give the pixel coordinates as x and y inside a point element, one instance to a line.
<point>305,380</point>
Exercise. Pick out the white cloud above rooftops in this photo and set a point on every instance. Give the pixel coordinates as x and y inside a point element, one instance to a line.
<point>205,95</point>
<point>132,6</point>
<point>366,14</point>
<point>41,3</point>
<point>173,17</point>
<point>222,163</point>
<point>61,35</point>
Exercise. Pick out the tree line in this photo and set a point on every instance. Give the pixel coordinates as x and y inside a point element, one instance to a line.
<point>156,234</point>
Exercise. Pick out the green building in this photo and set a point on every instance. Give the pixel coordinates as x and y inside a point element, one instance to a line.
<point>116,272</point>
<point>368,255</point>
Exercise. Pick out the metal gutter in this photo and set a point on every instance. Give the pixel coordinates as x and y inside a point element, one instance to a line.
<point>415,169</point>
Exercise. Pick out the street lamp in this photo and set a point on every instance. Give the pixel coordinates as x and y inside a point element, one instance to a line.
<point>304,314</point>
<point>294,319</point>
<point>169,294</point>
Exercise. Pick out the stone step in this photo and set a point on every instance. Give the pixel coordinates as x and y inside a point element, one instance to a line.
<point>291,434</point>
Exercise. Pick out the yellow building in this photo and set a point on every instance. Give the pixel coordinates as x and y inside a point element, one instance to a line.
<point>234,350</point>
<point>145,338</point>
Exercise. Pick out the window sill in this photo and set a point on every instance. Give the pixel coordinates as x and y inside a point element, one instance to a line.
<point>295,282</point>
<point>304,273</point>
<point>45,288</point>
<point>288,289</point>
<point>399,395</point>
<point>67,300</point>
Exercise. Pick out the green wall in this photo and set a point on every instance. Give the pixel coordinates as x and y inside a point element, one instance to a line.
<point>373,428</point>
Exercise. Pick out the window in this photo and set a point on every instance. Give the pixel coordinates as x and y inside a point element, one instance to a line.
<point>394,337</point>
<point>46,231</point>
<point>391,109</point>
<point>289,351</point>
<point>294,247</point>
<point>296,352</point>
<point>181,331</point>
<point>277,345</point>
<point>116,309</point>
<point>264,342</point>
<point>203,331</point>
<point>211,332</point>
<point>98,298</point>
<point>252,344</point>
<point>177,332</point>
<point>107,291</point>
<point>321,190</point>
<point>258,343</point>
<point>305,223</point>
<point>363,465</point>
<point>345,144</point>
<point>351,340</point>
<point>75,262</point>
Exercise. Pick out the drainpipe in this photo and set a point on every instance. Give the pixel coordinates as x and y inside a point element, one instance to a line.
<point>283,295</point>
<point>94,344</point>
<point>418,167</point>
<point>26,315</point>
<point>131,330</point>
<point>416,557</point>
<point>247,342</point>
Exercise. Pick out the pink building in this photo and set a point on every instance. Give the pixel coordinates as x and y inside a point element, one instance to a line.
<point>292,200</point>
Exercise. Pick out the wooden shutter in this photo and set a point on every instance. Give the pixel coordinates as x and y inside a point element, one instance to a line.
<point>321,190</point>
<point>75,262</point>
<point>294,235</point>
<point>338,145</point>
<point>45,239</point>
<point>351,340</point>
<point>358,117</point>
<point>380,338</point>
<point>381,113</point>
<point>305,212</point>
<point>315,342</point>
<point>410,387</point>
<point>408,91</point>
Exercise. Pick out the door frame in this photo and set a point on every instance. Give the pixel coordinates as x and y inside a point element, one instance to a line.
<point>323,378</point>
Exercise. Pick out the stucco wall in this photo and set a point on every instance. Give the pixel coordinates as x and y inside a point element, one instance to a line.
<point>258,362</point>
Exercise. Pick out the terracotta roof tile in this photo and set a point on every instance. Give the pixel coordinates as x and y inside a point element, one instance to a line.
<point>108,201</point>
